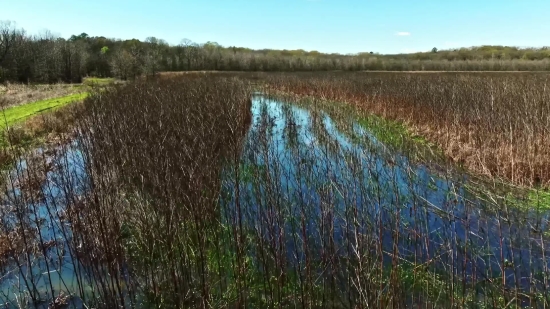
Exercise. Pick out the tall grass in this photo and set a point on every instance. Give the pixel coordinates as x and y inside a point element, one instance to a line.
<point>19,94</point>
<point>156,152</point>
<point>494,124</point>
<point>183,193</point>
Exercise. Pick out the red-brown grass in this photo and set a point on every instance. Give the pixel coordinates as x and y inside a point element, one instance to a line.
<point>171,206</point>
<point>495,125</point>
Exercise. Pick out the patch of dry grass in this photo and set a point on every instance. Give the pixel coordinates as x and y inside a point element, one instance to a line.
<point>494,125</point>
<point>19,94</point>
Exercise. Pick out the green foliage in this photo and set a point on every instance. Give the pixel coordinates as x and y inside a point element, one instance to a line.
<point>397,136</point>
<point>539,199</point>
<point>18,114</point>
<point>530,199</point>
<point>82,36</point>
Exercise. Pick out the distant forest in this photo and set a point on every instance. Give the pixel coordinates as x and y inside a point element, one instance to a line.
<point>46,58</point>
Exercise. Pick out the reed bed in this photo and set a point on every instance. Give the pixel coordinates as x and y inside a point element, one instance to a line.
<point>497,125</point>
<point>192,192</point>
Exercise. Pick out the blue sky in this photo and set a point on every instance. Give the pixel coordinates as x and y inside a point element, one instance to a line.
<point>344,26</point>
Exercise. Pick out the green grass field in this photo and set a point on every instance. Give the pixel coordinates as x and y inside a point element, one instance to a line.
<point>16,114</point>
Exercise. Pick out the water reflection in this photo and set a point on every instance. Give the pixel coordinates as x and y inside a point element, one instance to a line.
<point>304,181</point>
<point>312,194</point>
<point>38,190</point>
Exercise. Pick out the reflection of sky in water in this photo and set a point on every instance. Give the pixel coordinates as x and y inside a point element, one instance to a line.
<point>320,175</point>
<point>315,176</point>
<point>60,270</point>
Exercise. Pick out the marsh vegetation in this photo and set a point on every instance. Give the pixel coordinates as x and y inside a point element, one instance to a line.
<point>287,190</point>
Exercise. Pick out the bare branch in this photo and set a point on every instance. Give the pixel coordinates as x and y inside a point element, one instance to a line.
<point>8,37</point>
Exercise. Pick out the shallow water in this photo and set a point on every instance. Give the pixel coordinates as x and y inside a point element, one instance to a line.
<point>296,164</point>
<point>302,181</point>
<point>65,179</point>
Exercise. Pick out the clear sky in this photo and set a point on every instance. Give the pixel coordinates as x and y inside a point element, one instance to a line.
<point>344,26</point>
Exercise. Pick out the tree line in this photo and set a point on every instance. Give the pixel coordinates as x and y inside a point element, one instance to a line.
<point>46,58</point>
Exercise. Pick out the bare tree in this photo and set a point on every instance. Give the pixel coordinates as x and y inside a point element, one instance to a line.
<point>8,38</point>
<point>152,56</point>
<point>46,53</point>
<point>136,53</point>
<point>121,64</point>
<point>189,51</point>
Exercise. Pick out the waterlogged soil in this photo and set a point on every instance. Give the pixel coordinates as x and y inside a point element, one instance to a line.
<point>298,168</point>
<point>302,180</point>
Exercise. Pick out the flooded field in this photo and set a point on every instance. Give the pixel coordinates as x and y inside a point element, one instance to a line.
<point>354,203</point>
<point>313,212</point>
<point>38,256</point>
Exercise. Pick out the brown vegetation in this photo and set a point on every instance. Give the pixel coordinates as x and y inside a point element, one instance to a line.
<point>19,94</point>
<point>161,202</point>
<point>496,125</point>
<point>49,128</point>
<point>157,149</point>
<point>11,244</point>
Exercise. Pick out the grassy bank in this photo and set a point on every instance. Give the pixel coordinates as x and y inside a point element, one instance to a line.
<point>98,81</point>
<point>24,108</point>
<point>26,123</point>
<point>20,94</point>
<point>18,114</point>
